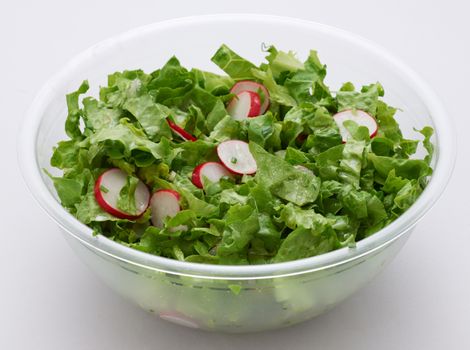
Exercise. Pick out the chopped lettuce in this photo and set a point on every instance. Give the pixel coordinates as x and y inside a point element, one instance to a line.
<point>311,193</point>
<point>231,63</point>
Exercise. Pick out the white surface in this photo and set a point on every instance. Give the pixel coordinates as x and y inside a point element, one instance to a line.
<point>49,300</point>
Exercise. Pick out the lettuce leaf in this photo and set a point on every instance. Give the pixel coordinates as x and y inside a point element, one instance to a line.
<point>234,65</point>
<point>72,123</point>
<point>367,99</point>
<point>151,116</point>
<point>241,224</point>
<point>303,243</point>
<point>283,179</point>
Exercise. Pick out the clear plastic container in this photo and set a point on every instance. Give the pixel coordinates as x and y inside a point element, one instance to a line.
<point>235,298</point>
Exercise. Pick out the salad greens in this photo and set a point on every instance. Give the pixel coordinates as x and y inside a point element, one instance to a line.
<point>312,192</point>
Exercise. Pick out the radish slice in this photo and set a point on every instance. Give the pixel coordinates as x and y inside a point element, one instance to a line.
<point>180,131</point>
<point>165,203</point>
<point>260,89</point>
<point>177,318</point>
<point>107,189</point>
<point>245,105</point>
<point>213,171</point>
<point>236,157</point>
<point>360,117</point>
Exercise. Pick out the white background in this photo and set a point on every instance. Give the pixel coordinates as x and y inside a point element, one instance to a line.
<point>49,300</point>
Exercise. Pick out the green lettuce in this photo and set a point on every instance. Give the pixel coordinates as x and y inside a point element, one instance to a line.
<point>234,65</point>
<point>283,179</point>
<point>311,193</point>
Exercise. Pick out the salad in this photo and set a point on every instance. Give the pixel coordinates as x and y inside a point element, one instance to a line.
<point>260,165</point>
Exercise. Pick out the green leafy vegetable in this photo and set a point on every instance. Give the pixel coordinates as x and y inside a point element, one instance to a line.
<point>311,193</point>
<point>231,63</point>
<point>126,200</point>
<point>72,123</point>
<point>283,179</point>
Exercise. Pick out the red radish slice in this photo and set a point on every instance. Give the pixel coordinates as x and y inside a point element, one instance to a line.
<point>245,105</point>
<point>165,203</point>
<point>213,171</point>
<point>260,89</point>
<point>236,157</point>
<point>180,131</point>
<point>360,117</point>
<point>107,189</point>
<point>177,318</point>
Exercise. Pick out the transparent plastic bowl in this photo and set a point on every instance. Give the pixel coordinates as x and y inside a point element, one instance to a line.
<point>235,298</point>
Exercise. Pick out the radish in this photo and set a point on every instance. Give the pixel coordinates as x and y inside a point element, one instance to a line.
<point>260,89</point>
<point>236,157</point>
<point>244,105</point>
<point>107,189</point>
<point>165,203</point>
<point>360,117</point>
<point>213,171</point>
<point>177,318</point>
<point>180,131</point>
